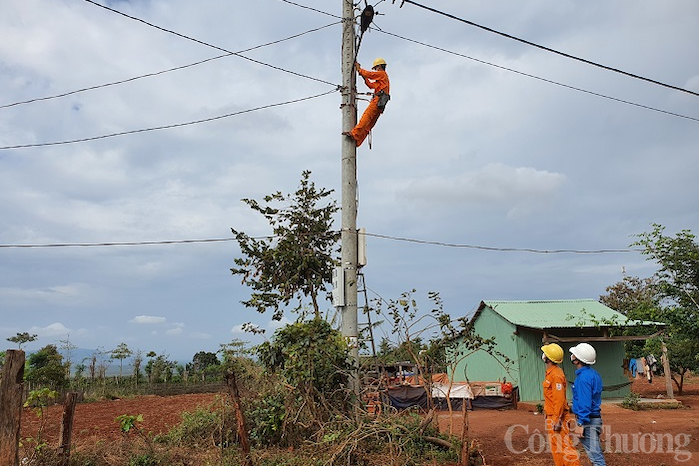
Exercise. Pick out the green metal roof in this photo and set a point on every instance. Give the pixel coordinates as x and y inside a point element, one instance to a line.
<point>582,313</point>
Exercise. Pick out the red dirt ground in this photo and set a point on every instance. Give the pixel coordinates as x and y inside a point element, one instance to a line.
<point>97,420</point>
<point>94,421</point>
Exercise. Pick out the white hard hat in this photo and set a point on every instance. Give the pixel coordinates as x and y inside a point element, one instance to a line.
<point>584,352</point>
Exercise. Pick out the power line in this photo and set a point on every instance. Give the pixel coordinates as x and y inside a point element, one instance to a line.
<point>117,243</point>
<point>310,8</point>
<point>500,249</point>
<point>169,31</point>
<point>374,235</point>
<point>157,73</point>
<point>176,125</point>
<point>572,57</point>
<point>616,99</point>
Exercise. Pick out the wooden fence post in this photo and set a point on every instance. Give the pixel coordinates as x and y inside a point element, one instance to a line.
<point>11,388</point>
<point>668,375</point>
<point>240,417</point>
<point>67,428</point>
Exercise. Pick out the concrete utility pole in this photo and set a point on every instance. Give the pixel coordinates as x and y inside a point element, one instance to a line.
<point>348,308</point>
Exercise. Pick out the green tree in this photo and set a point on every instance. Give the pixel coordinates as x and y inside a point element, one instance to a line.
<point>638,300</point>
<point>45,368</point>
<point>677,284</point>
<point>149,366</point>
<point>204,364</point>
<point>120,353</point>
<point>235,349</point>
<point>80,372</point>
<point>136,361</point>
<point>297,261</point>
<point>22,338</point>
<point>159,368</point>
<point>67,346</point>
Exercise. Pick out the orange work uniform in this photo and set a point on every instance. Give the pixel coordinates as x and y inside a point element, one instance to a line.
<point>556,410</point>
<point>378,81</point>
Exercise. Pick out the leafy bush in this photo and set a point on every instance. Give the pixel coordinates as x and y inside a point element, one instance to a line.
<point>311,355</point>
<point>269,413</point>
<point>632,401</point>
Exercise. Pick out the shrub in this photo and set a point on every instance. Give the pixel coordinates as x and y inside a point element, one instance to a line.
<point>632,401</point>
<point>269,413</point>
<point>205,427</point>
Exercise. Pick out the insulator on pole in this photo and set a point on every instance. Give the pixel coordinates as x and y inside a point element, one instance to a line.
<point>366,18</point>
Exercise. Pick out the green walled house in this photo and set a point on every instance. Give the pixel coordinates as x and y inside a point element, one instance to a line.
<point>520,329</point>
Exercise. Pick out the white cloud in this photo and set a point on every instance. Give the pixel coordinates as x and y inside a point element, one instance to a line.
<point>51,330</point>
<point>176,329</point>
<point>148,320</point>
<point>494,185</point>
<point>52,294</point>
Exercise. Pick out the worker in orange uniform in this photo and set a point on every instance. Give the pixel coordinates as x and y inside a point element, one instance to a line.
<point>377,79</point>
<point>556,408</point>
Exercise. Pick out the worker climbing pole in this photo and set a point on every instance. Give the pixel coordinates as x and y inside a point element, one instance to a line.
<point>375,79</point>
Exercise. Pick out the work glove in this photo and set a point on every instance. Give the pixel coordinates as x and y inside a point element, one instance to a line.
<point>557,426</point>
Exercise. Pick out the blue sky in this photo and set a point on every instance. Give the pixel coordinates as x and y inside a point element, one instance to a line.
<point>486,142</point>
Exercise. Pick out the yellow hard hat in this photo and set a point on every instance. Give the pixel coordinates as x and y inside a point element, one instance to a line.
<point>554,352</point>
<point>378,61</point>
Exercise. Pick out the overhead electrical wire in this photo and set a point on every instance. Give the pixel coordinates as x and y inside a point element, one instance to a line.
<point>548,49</point>
<point>115,243</point>
<point>616,99</point>
<point>175,125</point>
<point>374,235</point>
<point>550,81</point>
<point>169,31</point>
<point>501,249</point>
<point>310,8</point>
<point>228,54</point>
<point>158,73</point>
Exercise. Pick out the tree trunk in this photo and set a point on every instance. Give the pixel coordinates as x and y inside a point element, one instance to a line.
<point>11,387</point>
<point>240,417</point>
<point>679,382</point>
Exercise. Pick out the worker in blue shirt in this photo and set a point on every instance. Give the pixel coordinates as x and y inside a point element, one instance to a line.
<point>587,400</point>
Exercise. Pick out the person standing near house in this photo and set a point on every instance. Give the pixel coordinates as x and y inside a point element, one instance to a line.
<point>587,401</point>
<point>556,408</point>
<point>376,79</point>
